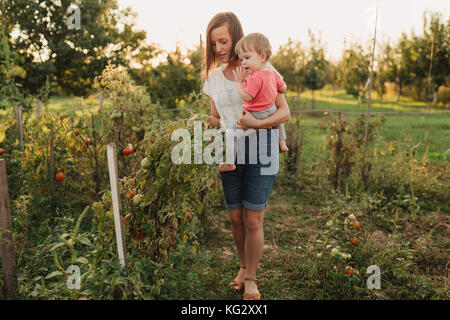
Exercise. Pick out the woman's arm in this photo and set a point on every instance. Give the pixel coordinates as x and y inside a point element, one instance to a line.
<point>282,114</point>
<point>214,118</point>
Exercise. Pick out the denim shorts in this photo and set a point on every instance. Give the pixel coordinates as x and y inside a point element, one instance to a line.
<point>250,184</point>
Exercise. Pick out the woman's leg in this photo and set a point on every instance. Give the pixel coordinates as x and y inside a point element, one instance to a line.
<point>254,243</point>
<point>238,230</point>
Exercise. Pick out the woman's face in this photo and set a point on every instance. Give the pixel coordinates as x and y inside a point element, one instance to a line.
<point>221,43</point>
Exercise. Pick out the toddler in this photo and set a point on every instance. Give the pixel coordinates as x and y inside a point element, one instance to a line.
<point>260,87</point>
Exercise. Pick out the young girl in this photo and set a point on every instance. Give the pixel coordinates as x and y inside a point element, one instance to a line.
<point>260,87</point>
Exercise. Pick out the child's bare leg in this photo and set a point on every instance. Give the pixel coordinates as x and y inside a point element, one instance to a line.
<point>283,146</point>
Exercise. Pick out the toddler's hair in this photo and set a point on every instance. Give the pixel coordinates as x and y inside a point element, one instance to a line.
<point>256,42</point>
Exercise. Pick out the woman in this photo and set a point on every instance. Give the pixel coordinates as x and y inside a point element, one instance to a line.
<point>246,190</point>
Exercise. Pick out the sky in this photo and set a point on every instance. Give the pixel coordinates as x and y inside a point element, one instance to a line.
<point>170,21</point>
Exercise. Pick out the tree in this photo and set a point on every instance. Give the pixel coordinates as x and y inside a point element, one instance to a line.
<point>10,93</point>
<point>71,57</point>
<point>384,65</point>
<point>332,74</point>
<point>173,79</point>
<point>436,35</point>
<point>315,70</point>
<point>355,69</point>
<point>290,61</point>
<point>400,69</point>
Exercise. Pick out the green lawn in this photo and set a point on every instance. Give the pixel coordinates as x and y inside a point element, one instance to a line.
<point>432,128</point>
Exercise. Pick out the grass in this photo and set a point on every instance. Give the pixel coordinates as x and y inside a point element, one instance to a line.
<point>432,128</point>
<point>286,269</point>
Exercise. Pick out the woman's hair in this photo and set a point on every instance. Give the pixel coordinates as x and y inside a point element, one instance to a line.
<point>236,33</point>
<point>256,42</point>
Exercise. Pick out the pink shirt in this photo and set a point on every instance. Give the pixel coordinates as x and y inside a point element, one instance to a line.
<point>263,86</point>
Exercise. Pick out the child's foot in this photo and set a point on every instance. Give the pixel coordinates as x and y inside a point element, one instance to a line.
<point>225,167</point>
<point>283,146</point>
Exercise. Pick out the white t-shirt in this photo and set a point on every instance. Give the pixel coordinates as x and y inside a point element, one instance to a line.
<point>225,96</point>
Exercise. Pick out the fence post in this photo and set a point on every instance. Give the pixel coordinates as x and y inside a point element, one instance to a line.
<point>117,208</point>
<point>7,254</point>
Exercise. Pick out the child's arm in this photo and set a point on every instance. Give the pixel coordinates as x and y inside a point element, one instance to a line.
<point>281,85</point>
<point>239,75</point>
<point>283,89</point>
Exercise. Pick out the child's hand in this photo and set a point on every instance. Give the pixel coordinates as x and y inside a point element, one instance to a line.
<point>239,74</point>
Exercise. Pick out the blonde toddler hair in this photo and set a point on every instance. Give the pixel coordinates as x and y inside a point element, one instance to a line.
<point>256,42</point>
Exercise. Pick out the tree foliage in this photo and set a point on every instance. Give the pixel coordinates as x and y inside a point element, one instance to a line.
<point>71,57</point>
<point>290,60</point>
<point>355,69</point>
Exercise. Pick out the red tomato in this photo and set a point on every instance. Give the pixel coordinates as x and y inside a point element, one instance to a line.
<point>2,151</point>
<point>128,150</point>
<point>59,176</point>
<point>349,270</point>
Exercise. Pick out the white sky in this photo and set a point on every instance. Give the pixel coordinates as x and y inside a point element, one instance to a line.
<point>169,21</point>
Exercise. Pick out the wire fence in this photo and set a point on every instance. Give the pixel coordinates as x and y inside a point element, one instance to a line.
<point>337,111</point>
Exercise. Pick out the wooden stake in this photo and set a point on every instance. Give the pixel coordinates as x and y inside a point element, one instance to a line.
<point>7,254</point>
<point>364,174</point>
<point>97,175</point>
<point>429,72</point>
<point>52,168</point>
<point>38,107</point>
<point>20,127</point>
<point>117,208</point>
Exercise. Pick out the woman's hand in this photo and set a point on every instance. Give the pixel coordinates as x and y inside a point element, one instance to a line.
<point>213,122</point>
<point>246,121</point>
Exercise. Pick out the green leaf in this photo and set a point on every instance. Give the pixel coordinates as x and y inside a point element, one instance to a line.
<point>82,260</point>
<point>64,236</point>
<point>77,226</point>
<point>85,240</point>
<point>60,244</point>
<point>54,274</point>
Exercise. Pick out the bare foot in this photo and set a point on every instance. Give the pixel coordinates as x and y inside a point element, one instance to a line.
<point>240,278</point>
<point>250,287</point>
<point>225,167</point>
<point>283,146</point>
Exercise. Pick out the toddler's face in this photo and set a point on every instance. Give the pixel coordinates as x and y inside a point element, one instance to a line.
<point>252,61</point>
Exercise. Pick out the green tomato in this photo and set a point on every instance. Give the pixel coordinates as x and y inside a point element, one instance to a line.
<point>146,163</point>
<point>137,199</point>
